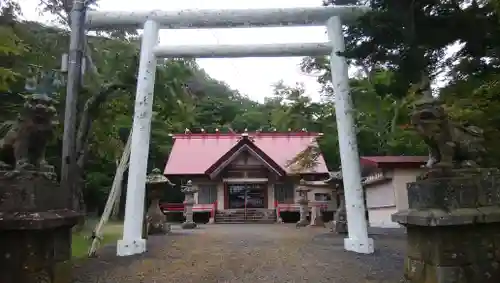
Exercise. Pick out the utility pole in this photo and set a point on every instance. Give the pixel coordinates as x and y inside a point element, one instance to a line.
<point>74,82</point>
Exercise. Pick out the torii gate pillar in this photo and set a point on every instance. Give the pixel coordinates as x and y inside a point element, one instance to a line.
<point>357,226</point>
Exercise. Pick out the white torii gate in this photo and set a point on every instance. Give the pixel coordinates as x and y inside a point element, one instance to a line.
<point>152,21</point>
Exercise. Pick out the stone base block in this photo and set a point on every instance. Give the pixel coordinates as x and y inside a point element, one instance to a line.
<point>453,226</point>
<point>158,228</point>
<point>417,271</point>
<point>127,247</point>
<point>318,222</point>
<point>188,225</point>
<point>361,246</point>
<point>339,227</point>
<point>35,228</point>
<point>34,256</point>
<point>468,253</point>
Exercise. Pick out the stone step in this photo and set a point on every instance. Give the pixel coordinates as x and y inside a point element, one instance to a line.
<point>246,216</point>
<point>250,216</point>
<point>242,214</point>
<point>241,221</point>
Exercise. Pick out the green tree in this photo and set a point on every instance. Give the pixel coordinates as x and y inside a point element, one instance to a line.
<point>11,46</point>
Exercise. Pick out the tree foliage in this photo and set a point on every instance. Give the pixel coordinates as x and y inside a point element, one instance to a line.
<point>390,49</point>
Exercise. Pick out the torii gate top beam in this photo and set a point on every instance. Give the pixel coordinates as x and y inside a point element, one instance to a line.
<point>192,19</point>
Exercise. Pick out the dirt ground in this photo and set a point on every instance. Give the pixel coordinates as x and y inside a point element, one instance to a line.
<point>248,253</point>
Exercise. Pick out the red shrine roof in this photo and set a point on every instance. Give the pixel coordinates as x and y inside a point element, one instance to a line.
<point>393,161</point>
<point>202,154</point>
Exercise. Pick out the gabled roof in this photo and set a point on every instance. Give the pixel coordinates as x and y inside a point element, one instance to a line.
<point>393,161</point>
<point>195,154</point>
<point>244,144</point>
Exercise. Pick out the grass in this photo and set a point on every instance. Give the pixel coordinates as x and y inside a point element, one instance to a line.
<point>81,240</point>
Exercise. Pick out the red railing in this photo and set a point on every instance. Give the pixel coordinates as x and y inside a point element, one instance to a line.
<point>172,207</point>
<point>293,207</point>
<point>179,207</point>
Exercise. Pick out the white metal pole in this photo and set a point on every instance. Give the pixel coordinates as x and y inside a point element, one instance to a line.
<point>358,240</point>
<point>132,242</point>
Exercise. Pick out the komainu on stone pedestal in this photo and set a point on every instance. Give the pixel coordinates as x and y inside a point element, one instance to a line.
<point>35,219</point>
<point>453,220</point>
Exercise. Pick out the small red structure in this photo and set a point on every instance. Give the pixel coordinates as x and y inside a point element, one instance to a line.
<point>393,161</point>
<point>385,186</point>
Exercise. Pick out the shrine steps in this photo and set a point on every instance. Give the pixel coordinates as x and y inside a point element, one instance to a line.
<point>251,215</point>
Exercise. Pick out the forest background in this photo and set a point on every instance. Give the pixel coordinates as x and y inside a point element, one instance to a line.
<point>390,48</point>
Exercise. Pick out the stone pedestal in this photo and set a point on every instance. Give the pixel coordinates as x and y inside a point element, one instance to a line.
<point>279,220</point>
<point>156,220</point>
<point>35,228</point>
<point>340,219</point>
<point>453,227</point>
<point>316,217</point>
<point>303,203</point>
<point>189,201</point>
<point>211,220</point>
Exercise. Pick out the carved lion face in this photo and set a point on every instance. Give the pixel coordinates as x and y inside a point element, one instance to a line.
<point>40,107</point>
<point>427,112</point>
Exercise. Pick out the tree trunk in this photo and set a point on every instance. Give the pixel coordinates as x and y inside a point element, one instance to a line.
<point>395,117</point>
<point>89,113</point>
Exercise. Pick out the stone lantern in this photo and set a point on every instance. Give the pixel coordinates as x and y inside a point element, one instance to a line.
<point>189,192</point>
<point>155,219</point>
<point>303,204</point>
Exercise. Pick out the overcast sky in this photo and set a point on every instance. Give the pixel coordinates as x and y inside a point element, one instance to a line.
<point>251,76</point>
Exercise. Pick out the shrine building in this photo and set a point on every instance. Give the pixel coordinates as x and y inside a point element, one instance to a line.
<point>248,177</point>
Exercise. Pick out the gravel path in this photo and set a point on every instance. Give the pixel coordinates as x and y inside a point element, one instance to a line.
<point>247,254</point>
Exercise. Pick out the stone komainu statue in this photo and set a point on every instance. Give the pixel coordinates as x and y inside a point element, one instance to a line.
<point>450,144</point>
<point>23,147</point>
